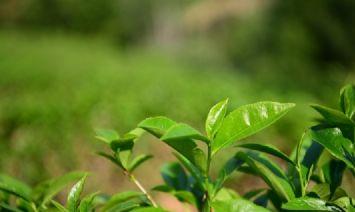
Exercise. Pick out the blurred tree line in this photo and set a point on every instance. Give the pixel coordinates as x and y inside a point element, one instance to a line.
<point>299,35</point>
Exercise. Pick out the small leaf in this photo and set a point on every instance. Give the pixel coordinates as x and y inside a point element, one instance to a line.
<point>13,186</point>
<point>163,188</point>
<point>45,191</point>
<point>347,101</point>
<point>182,132</point>
<point>74,195</point>
<point>332,116</point>
<point>156,125</point>
<point>247,120</point>
<point>112,159</point>
<point>215,118</point>
<point>138,161</point>
<point>333,140</point>
<point>87,204</point>
<point>306,203</point>
<point>106,135</point>
<point>267,149</point>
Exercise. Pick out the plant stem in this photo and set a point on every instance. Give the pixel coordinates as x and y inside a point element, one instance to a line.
<point>139,185</point>
<point>208,195</point>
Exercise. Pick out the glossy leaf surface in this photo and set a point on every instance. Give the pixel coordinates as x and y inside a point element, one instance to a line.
<point>340,147</point>
<point>215,118</point>
<point>247,120</point>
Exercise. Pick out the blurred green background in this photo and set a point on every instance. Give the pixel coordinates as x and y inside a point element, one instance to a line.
<point>69,66</point>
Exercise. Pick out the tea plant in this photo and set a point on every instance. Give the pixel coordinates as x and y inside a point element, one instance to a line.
<point>321,158</point>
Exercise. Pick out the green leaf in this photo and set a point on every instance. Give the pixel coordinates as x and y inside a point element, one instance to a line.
<point>174,176</point>
<point>120,198</point>
<point>232,164</point>
<point>215,118</point>
<point>87,204</point>
<point>148,209</point>
<point>45,191</point>
<point>239,205</point>
<point>332,116</point>
<point>137,161</point>
<point>247,120</point>
<point>112,159</point>
<point>74,195</point>
<point>8,208</point>
<point>333,140</point>
<point>253,193</point>
<point>123,144</point>
<point>185,196</point>
<point>106,135</point>
<point>160,125</point>
<point>347,101</point>
<point>267,149</point>
<point>194,171</point>
<point>58,206</point>
<point>13,186</point>
<point>156,125</point>
<point>306,203</point>
<point>333,172</point>
<point>270,173</point>
<point>182,132</point>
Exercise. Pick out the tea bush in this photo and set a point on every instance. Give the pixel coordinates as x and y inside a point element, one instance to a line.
<point>322,156</point>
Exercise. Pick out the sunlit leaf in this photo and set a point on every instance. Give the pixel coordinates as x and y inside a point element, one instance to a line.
<point>306,204</point>
<point>182,132</point>
<point>215,118</point>
<point>106,135</point>
<point>347,101</point>
<point>247,120</point>
<point>74,195</point>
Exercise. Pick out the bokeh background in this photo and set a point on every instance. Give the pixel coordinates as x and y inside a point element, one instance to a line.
<point>69,66</point>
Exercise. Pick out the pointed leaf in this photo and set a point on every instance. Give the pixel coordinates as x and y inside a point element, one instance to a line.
<point>332,116</point>
<point>74,195</point>
<point>58,206</point>
<point>215,118</point>
<point>138,161</point>
<point>87,204</point>
<point>159,126</point>
<point>333,172</point>
<point>347,101</point>
<point>112,159</point>
<point>270,173</point>
<point>156,125</point>
<point>182,132</point>
<point>13,186</point>
<point>106,135</point>
<point>247,120</point>
<point>267,149</point>
<point>45,191</point>
<point>340,147</point>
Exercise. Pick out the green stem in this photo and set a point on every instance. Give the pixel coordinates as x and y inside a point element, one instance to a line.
<point>208,198</point>
<point>139,185</point>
